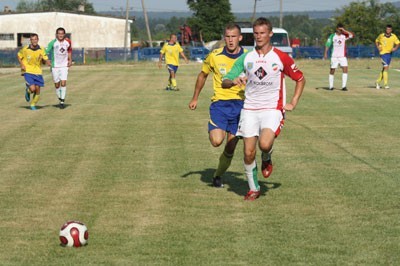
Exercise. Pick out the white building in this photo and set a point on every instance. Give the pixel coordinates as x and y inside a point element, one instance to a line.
<point>85,31</point>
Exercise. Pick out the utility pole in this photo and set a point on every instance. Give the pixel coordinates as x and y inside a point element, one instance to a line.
<point>126,30</point>
<point>147,24</point>
<point>280,13</point>
<point>254,11</point>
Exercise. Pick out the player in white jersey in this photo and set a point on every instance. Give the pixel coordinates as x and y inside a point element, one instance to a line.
<point>60,52</point>
<point>262,116</point>
<point>337,43</point>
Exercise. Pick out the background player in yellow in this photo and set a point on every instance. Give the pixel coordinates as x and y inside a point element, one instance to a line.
<point>226,103</point>
<point>171,50</point>
<point>386,43</point>
<point>30,58</point>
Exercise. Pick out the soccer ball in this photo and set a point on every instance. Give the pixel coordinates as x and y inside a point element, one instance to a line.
<point>74,234</point>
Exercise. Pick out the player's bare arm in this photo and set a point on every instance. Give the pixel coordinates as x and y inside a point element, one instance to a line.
<point>298,90</point>
<point>201,80</point>
<point>185,58</point>
<point>160,61</point>
<point>22,66</point>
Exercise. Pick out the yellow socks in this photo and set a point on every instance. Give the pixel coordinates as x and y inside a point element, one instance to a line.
<point>35,100</point>
<point>224,163</point>
<point>385,77</point>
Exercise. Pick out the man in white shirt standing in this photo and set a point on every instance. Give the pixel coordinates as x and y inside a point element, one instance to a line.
<point>60,52</point>
<point>337,43</point>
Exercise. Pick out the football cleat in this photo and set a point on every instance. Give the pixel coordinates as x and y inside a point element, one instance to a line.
<point>266,168</point>
<point>217,182</point>
<point>377,86</point>
<point>33,108</point>
<point>387,87</point>
<point>252,195</point>
<point>62,106</point>
<point>331,89</point>
<point>344,89</point>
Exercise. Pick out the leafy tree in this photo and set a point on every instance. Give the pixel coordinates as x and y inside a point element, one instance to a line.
<point>54,5</point>
<point>210,17</point>
<point>366,19</point>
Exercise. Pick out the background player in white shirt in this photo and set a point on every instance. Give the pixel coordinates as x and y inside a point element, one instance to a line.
<point>262,116</point>
<point>60,53</point>
<point>337,43</point>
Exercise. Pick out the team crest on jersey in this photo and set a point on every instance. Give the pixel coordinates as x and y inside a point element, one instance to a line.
<point>223,71</point>
<point>261,73</point>
<point>275,67</point>
<point>249,65</point>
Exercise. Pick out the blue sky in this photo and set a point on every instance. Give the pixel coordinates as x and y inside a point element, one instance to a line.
<point>236,5</point>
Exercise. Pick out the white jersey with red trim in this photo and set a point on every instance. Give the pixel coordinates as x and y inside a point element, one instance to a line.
<point>265,88</point>
<point>58,51</point>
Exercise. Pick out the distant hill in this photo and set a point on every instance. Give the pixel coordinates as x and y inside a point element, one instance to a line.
<point>240,16</point>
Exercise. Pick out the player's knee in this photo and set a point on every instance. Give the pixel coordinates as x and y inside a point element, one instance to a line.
<point>265,146</point>
<point>216,142</point>
<point>249,156</point>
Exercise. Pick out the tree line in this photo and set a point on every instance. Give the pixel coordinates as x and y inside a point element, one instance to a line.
<point>366,19</point>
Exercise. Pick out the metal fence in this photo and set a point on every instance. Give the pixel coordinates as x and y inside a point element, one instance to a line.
<point>8,57</point>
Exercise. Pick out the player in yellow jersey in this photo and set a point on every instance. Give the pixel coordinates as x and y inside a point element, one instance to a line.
<point>172,50</point>
<point>30,59</point>
<point>226,103</point>
<point>386,43</point>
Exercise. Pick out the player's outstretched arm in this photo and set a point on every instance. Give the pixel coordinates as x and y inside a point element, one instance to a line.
<point>201,80</point>
<point>298,90</point>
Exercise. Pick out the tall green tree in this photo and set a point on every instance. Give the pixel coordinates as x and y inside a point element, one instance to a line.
<point>367,19</point>
<point>54,5</point>
<point>210,17</point>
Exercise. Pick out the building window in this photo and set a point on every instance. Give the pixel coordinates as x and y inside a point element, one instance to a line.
<point>6,37</point>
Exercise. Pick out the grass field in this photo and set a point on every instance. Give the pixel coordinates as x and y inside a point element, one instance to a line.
<point>131,161</point>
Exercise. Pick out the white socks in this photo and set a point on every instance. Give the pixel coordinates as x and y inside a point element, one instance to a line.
<point>331,78</point>
<point>251,174</point>
<point>344,80</point>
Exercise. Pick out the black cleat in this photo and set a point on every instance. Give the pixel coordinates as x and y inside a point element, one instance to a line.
<point>217,182</point>
<point>344,89</point>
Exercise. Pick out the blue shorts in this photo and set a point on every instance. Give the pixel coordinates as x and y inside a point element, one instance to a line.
<point>32,79</point>
<point>225,115</point>
<point>172,68</point>
<point>386,58</point>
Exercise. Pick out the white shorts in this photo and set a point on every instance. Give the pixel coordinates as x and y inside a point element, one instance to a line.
<point>336,61</point>
<point>59,73</point>
<point>253,121</point>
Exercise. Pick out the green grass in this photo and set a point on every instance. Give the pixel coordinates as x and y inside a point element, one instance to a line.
<point>134,163</point>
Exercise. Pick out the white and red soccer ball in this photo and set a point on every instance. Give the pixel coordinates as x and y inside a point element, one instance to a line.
<point>74,234</point>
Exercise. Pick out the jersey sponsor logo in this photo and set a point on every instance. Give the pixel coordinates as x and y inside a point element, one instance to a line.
<point>261,73</point>
<point>223,71</point>
<point>260,83</point>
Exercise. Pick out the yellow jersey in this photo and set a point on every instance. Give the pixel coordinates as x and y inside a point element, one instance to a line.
<point>171,52</point>
<point>220,62</point>
<point>32,59</point>
<point>387,43</point>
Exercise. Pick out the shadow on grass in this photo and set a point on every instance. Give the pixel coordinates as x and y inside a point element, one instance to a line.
<point>38,107</point>
<point>324,88</point>
<point>233,181</point>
